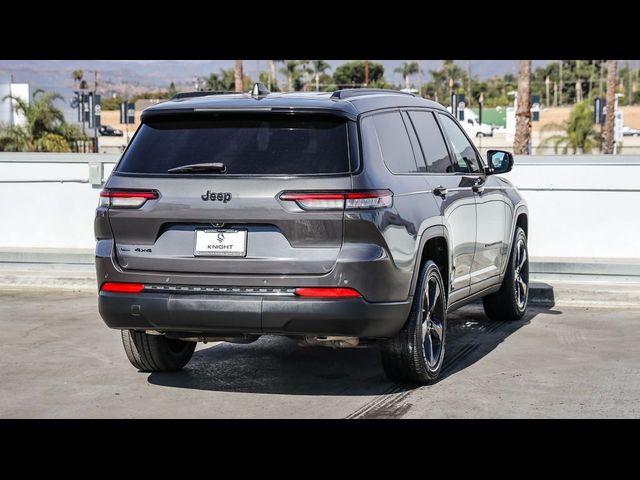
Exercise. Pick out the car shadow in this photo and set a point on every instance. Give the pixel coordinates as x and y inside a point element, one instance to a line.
<point>277,365</point>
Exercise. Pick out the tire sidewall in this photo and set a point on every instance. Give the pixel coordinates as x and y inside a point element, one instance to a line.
<point>519,235</point>
<point>427,373</point>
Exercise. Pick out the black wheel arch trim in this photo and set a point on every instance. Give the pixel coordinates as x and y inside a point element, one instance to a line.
<point>434,231</point>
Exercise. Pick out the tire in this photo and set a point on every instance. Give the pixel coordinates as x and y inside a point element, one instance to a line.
<point>156,353</point>
<point>479,134</point>
<point>407,357</point>
<point>510,302</point>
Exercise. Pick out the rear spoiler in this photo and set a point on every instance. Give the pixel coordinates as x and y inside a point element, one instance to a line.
<point>156,112</point>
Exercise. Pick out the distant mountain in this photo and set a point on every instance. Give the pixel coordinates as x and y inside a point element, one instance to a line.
<point>159,73</point>
<point>55,75</point>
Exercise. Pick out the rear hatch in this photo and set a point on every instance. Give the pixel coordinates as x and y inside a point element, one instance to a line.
<point>227,216</point>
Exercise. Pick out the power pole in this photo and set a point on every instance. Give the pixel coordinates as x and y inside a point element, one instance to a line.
<point>629,95</point>
<point>601,83</point>
<point>469,97</point>
<point>84,135</point>
<point>95,129</point>
<point>547,83</point>
<point>561,82</point>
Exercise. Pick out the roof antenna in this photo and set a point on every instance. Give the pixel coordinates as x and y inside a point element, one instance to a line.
<point>259,90</point>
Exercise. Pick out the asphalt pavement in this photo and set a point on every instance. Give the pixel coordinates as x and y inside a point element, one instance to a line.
<point>58,360</point>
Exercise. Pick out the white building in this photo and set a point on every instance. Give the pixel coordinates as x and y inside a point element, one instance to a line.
<point>8,113</point>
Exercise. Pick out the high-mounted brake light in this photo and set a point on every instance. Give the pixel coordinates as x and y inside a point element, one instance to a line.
<point>340,200</point>
<point>126,199</point>
<point>327,292</point>
<point>122,287</point>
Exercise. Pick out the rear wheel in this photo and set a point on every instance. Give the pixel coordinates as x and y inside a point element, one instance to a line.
<point>416,353</point>
<point>510,302</point>
<point>156,353</point>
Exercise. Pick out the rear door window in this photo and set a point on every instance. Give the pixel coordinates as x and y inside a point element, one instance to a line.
<point>394,142</point>
<point>269,144</point>
<point>432,142</point>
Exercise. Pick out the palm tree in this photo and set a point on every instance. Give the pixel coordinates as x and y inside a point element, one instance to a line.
<point>290,69</point>
<point>238,76</point>
<point>319,67</point>
<point>223,81</point>
<point>578,135</point>
<point>523,114</point>
<point>272,74</point>
<point>77,76</point>
<point>408,69</point>
<point>45,128</point>
<point>609,140</point>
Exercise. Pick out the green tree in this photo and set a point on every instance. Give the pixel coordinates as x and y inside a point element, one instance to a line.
<point>351,74</point>
<point>451,78</point>
<point>578,134</point>
<point>292,71</point>
<point>222,81</point>
<point>406,70</point>
<point>172,90</point>
<point>319,67</point>
<point>77,76</point>
<point>45,129</point>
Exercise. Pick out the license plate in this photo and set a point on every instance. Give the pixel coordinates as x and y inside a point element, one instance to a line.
<point>224,243</point>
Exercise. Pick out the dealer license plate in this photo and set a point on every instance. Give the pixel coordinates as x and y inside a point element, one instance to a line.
<point>223,243</point>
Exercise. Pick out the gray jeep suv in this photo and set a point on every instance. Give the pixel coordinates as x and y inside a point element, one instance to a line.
<point>342,219</point>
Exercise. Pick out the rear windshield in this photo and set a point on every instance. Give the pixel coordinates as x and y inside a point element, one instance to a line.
<point>247,145</point>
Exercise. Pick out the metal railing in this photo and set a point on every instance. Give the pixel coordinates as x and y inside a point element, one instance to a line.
<point>95,162</point>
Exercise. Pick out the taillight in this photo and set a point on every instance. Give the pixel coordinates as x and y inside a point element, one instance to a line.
<point>340,200</point>
<point>327,292</point>
<point>125,198</point>
<point>116,287</point>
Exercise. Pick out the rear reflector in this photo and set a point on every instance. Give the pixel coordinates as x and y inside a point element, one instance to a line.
<point>327,292</point>
<point>340,200</point>
<point>126,199</point>
<point>122,287</point>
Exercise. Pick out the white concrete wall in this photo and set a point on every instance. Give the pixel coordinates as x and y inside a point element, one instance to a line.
<point>596,219</point>
<point>585,206</point>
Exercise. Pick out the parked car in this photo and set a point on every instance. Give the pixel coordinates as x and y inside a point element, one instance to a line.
<point>354,218</point>
<point>630,132</point>
<point>108,131</point>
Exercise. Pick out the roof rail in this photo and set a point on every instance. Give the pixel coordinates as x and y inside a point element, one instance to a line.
<point>356,92</point>
<point>201,94</point>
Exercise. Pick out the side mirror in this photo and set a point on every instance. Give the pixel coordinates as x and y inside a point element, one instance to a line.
<point>499,161</point>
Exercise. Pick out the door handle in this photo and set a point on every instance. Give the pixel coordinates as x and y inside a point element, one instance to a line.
<point>440,191</point>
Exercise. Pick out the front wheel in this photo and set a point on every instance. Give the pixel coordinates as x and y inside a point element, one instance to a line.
<point>156,353</point>
<point>510,302</point>
<point>416,353</point>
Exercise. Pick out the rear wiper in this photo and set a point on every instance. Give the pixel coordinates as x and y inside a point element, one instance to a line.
<point>199,167</point>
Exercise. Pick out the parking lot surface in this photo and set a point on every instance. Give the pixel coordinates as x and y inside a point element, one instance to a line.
<point>58,360</point>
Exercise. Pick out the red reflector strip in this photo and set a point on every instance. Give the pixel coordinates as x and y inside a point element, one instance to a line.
<point>122,287</point>
<point>125,194</point>
<point>324,292</point>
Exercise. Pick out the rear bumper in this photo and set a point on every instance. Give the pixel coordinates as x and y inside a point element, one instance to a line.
<point>235,314</point>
